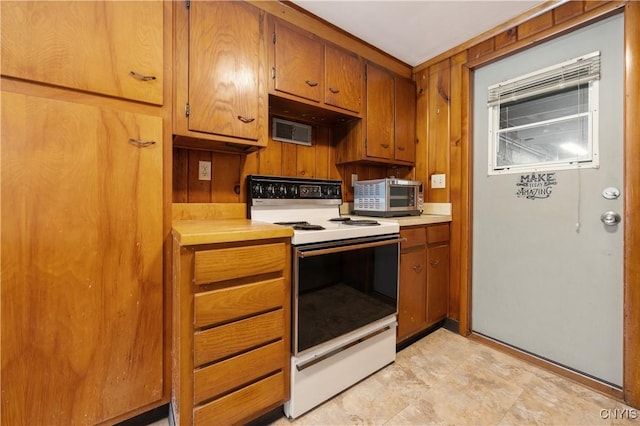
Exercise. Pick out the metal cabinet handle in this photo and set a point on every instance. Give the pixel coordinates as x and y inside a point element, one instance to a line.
<point>401,148</point>
<point>245,119</point>
<point>417,268</point>
<point>311,83</point>
<point>141,77</point>
<point>434,262</point>
<point>141,143</point>
<point>384,145</point>
<point>332,90</point>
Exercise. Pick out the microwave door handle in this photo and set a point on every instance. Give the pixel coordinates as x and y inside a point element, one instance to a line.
<point>340,249</point>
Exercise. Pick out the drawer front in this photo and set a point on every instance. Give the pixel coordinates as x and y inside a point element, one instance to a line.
<point>239,406</point>
<point>238,262</point>
<point>414,237</point>
<point>437,233</point>
<point>226,304</point>
<point>229,339</point>
<point>232,373</point>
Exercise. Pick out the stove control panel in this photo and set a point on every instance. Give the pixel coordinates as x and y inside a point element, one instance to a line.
<point>287,188</point>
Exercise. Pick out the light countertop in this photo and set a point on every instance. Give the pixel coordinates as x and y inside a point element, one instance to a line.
<point>211,231</point>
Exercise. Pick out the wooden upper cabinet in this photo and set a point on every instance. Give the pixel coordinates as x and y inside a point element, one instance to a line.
<point>405,119</point>
<point>225,95</point>
<point>380,113</point>
<point>106,47</point>
<point>387,132</point>
<point>343,79</point>
<point>309,70</point>
<point>298,62</point>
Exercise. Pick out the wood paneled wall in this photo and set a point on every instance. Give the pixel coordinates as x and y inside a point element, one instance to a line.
<point>227,183</point>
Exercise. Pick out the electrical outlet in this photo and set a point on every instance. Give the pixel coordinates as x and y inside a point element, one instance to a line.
<point>438,181</point>
<point>354,179</point>
<point>204,170</point>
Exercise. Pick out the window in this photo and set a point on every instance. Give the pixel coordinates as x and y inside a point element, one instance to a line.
<point>546,120</point>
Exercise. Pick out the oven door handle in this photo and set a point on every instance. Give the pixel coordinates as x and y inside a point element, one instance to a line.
<point>319,252</point>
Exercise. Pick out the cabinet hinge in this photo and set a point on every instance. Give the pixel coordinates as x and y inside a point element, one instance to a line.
<point>187,3</point>
<point>273,73</point>
<point>273,37</point>
<point>187,110</point>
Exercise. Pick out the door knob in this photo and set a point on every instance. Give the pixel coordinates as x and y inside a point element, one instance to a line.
<point>610,218</point>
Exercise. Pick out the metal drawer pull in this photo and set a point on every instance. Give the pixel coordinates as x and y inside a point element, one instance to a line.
<point>384,145</point>
<point>417,268</point>
<point>141,77</point>
<point>245,119</point>
<point>332,90</point>
<point>401,148</point>
<point>141,143</point>
<point>311,83</point>
<point>434,262</point>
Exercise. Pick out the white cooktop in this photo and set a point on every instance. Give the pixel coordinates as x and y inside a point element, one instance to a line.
<point>320,216</point>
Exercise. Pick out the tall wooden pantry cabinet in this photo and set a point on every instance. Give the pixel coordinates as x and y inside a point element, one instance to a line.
<point>82,160</point>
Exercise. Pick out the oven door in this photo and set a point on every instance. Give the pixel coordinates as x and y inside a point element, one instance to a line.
<point>341,286</point>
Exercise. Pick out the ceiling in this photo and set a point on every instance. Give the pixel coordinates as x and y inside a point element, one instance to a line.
<point>415,31</point>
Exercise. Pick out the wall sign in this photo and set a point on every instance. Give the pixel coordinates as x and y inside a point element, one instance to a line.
<point>536,185</point>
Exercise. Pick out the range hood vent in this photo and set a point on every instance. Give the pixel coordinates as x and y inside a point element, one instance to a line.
<point>292,132</point>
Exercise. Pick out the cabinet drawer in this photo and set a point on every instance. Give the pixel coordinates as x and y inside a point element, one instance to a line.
<point>240,301</point>
<point>414,237</point>
<point>238,262</point>
<point>240,405</point>
<point>234,372</point>
<point>219,342</point>
<point>437,233</point>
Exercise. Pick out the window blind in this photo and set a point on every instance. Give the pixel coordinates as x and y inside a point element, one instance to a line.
<point>570,73</point>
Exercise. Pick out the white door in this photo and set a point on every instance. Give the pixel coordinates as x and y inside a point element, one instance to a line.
<point>547,273</point>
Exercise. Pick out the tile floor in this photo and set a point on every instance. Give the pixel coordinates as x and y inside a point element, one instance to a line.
<point>446,379</point>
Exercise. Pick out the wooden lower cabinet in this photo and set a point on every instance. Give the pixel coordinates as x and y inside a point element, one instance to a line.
<point>424,278</point>
<point>231,330</point>
<point>81,227</point>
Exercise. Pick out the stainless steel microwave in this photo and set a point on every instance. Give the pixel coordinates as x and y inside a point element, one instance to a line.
<point>388,197</point>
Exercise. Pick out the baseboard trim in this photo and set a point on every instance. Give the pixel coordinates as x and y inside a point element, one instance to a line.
<point>411,340</point>
<point>596,385</point>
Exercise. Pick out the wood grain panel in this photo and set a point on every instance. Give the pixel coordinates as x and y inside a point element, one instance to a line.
<point>306,161</point>
<point>481,49</point>
<point>438,283</point>
<point>505,38</point>
<point>289,159</point>
<point>229,339</point>
<point>343,79</point>
<point>456,183</point>
<point>89,46</point>
<point>322,152</point>
<point>438,138</point>
<point>379,121</point>
<point>225,177</point>
<point>567,11</point>
<point>213,307</point>
<point>632,207</point>
<point>422,128</point>
<point>412,297</point>
<point>271,159</point>
<point>405,119</point>
<point>535,25</point>
<point>238,262</point>
<point>238,406</point>
<point>218,378</point>
<point>180,175</point>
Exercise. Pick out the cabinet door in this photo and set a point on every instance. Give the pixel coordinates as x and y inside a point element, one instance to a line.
<point>105,47</point>
<point>379,120</point>
<point>437,283</point>
<point>298,62</point>
<point>81,241</point>
<point>405,120</point>
<point>343,79</point>
<point>412,293</point>
<point>224,65</point>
